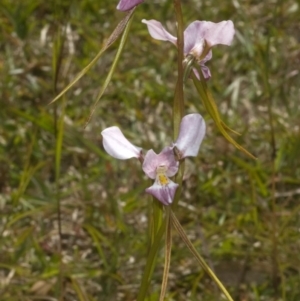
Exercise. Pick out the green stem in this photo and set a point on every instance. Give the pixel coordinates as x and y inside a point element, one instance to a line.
<point>178,106</point>
<point>201,261</point>
<point>168,248</point>
<point>273,206</point>
<point>151,259</point>
<point>157,210</point>
<point>58,133</point>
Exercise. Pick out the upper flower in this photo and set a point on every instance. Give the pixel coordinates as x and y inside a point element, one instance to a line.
<point>159,167</point>
<point>199,37</point>
<point>128,4</point>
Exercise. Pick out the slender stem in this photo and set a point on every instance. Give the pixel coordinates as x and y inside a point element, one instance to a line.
<point>58,132</point>
<point>168,248</point>
<point>57,59</point>
<point>201,261</point>
<point>273,177</point>
<point>265,63</point>
<point>178,106</point>
<point>151,259</point>
<point>157,211</point>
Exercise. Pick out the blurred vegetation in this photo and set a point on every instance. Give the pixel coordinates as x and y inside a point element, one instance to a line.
<point>242,215</point>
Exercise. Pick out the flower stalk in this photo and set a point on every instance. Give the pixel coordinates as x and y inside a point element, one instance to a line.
<point>168,248</point>
<point>178,105</point>
<point>150,264</point>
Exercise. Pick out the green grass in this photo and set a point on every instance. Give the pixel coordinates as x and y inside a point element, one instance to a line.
<point>241,214</point>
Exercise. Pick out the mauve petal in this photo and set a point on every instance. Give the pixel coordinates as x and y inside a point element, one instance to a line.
<point>208,57</point>
<point>149,164</point>
<point>191,133</point>
<point>192,36</point>
<point>164,194</point>
<point>205,71</point>
<point>164,158</point>
<point>128,4</point>
<point>158,32</point>
<point>213,33</point>
<point>116,145</point>
<point>196,73</point>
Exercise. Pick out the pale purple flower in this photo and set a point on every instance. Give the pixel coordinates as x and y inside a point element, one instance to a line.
<point>199,37</point>
<point>159,167</point>
<point>125,5</point>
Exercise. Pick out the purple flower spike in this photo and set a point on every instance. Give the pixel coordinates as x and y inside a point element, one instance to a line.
<point>191,134</point>
<point>199,37</point>
<point>116,145</point>
<point>128,4</point>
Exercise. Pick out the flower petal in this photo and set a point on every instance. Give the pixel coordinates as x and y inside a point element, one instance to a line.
<point>116,145</point>
<point>128,4</point>
<point>214,33</point>
<point>208,57</point>
<point>191,133</point>
<point>158,32</point>
<point>165,158</point>
<point>164,193</point>
<point>205,71</point>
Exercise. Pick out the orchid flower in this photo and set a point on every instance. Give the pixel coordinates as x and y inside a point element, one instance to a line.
<point>125,5</point>
<point>159,167</point>
<point>199,38</point>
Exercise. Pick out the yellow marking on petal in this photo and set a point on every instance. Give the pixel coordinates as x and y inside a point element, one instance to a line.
<point>161,175</point>
<point>163,179</point>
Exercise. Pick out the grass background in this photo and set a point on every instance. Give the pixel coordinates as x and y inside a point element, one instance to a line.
<point>241,214</point>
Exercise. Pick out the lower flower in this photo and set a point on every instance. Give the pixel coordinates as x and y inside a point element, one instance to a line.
<point>163,188</point>
<point>159,167</point>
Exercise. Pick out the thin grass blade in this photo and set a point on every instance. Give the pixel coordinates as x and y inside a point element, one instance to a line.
<point>112,38</point>
<point>112,69</point>
<point>212,109</point>
<point>200,260</point>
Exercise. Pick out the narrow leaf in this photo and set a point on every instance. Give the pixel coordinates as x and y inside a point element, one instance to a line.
<point>200,260</point>
<point>112,38</point>
<point>212,109</point>
<point>112,69</point>
<point>79,291</point>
